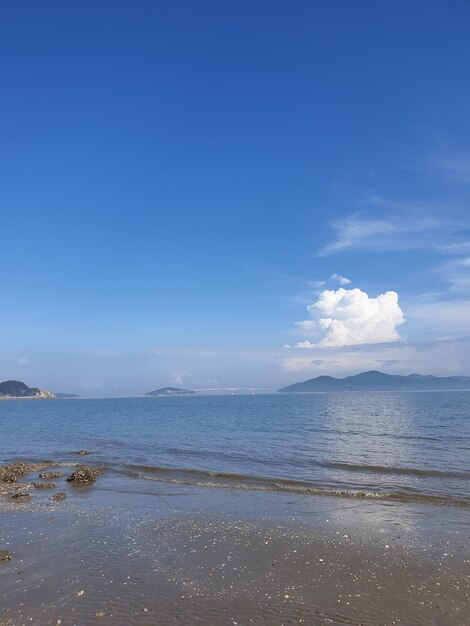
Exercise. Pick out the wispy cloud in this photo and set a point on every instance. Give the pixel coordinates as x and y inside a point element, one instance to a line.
<point>444,316</point>
<point>342,280</point>
<point>456,272</point>
<point>373,234</point>
<point>458,247</point>
<point>456,167</point>
<point>436,357</point>
<point>176,379</point>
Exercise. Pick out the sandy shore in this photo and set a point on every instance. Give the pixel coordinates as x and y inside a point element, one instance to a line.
<point>131,552</point>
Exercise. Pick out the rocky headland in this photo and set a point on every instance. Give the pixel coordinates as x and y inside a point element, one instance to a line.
<point>17,389</point>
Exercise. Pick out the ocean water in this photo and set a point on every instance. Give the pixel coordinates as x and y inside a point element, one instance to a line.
<point>391,446</point>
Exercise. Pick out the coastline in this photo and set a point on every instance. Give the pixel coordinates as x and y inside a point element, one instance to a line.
<point>127,551</point>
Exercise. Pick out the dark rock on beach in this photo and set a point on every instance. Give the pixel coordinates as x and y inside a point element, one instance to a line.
<point>51,474</point>
<point>44,485</point>
<point>21,497</point>
<point>5,555</point>
<point>84,475</point>
<point>9,473</point>
<point>58,497</point>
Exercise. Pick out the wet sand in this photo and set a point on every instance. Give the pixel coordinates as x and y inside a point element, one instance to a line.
<point>124,551</point>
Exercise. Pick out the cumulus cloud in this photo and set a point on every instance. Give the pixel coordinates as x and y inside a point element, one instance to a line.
<point>349,317</point>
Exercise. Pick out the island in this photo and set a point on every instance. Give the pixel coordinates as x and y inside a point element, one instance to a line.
<point>378,381</point>
<point>18,389</point>
<point>171,391</point>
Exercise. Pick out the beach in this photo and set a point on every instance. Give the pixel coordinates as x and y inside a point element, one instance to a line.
<point>343,516</point>
<point>185,555</point>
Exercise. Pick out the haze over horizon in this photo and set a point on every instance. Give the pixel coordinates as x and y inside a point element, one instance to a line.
<point>236,194</point>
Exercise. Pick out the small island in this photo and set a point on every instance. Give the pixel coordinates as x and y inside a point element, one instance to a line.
<point>171,391</point>
<point>18,389</point>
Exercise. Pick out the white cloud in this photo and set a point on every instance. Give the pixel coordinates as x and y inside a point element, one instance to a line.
<point>349,317</point>
<point>304,344</point>
<point>442,358</point>
<point>341,279</point>
<point>461,247</point>
<point>456,167</point>
<point>456,272</point>
<point>371,234</point>
<point>23,361</point>
<point>440,316</point>
<point>316,284</point>
<point>176,379</point>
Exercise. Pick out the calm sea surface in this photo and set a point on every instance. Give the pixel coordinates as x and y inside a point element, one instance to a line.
<point>398,446</point>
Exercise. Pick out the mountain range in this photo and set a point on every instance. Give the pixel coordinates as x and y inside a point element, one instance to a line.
<point>378,381</point>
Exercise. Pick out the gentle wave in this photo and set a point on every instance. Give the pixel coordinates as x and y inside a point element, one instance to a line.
<point>211,456</point>
<point>383,469</point>
<point>223,480</point>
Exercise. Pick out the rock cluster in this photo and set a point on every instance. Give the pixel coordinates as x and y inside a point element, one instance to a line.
<point>84,475</point>
<point>17,489</point>
<point>9,473</point>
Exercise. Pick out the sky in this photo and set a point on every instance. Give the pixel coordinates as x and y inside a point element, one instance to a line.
<point>209,194</point>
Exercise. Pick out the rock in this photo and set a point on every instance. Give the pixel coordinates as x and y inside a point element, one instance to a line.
<point>9,473</point>
<point>51,475</point>
<point>5,555</point>
<point>44,485</point>
<point>84,475</point>
<point>82,452</point>
<point>21,497</point>
<point>100,613</point>
<point>58,497</point>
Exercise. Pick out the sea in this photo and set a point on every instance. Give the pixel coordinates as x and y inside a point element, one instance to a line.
<point>396,446</point>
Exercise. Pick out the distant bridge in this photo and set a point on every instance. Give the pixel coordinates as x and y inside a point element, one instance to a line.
<point>233,391</point>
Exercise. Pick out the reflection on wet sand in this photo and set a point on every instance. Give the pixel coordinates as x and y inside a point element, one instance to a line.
<point>192,555</point>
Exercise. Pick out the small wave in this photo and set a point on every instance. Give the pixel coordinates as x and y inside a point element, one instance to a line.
<point>383,469</point>
<point>223,480</point>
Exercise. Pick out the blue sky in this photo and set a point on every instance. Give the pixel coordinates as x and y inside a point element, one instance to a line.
<point>179,181</point>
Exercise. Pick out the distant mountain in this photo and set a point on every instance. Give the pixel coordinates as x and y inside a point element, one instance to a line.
<point>18,389</point>
<point>378,381</point>
<point>67,395</point>
<point>171,391</point>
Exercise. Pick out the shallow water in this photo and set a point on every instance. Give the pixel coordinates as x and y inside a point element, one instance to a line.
<point>397,446</point>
